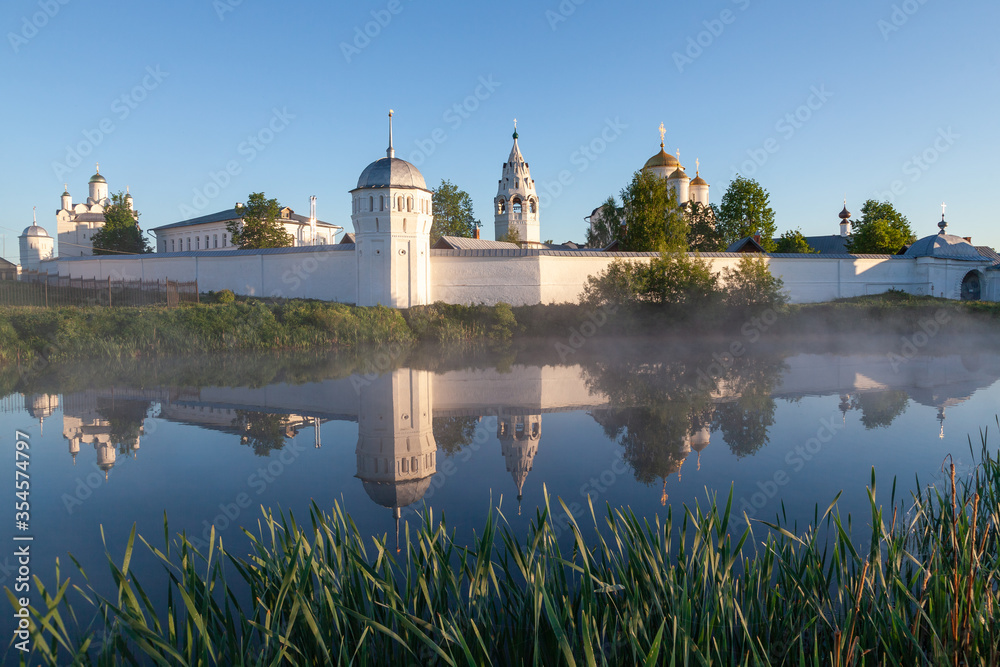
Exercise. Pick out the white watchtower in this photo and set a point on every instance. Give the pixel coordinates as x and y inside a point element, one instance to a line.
<point>516,203</point>
<point>392,215</point>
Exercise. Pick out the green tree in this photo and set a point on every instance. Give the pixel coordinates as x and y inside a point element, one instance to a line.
<point>752,287</point>
<point>703,230</point>
<point>680,280</point>
<point>793,241</point>
<point>452,212</point>
<point>745,211</point>
<point>262,431</point>
<point>512,235</point>
<point>260,225</point>
<point>653,220</point>
<point>120,233</point>
<point>882,230</point>
<point>605,225</point>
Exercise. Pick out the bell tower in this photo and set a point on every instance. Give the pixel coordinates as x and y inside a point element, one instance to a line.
<point>516,203</point>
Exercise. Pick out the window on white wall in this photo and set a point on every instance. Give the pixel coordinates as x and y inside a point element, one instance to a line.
<point>197,243</point>
<point>215,240</point>
<point>223,240</point>
<point>189,243</point>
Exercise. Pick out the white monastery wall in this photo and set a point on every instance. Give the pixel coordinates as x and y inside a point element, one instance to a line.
<point>464,279</point>
<point>514,277</point>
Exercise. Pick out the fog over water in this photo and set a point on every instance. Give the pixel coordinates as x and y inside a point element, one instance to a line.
<point>639,423</point>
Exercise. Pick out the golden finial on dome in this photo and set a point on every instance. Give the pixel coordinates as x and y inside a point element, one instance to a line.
<point>663,134</point>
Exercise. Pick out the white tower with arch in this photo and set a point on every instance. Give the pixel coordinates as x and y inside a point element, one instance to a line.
<point>392,215</point>
<point>516,203</point>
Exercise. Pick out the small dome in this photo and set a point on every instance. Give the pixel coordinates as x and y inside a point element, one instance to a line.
<point>391,172</point>
<point>34,230</point>
<point>678,175</point>
<point>845,214</point>
<point>128,195</point>
<point>698,180</point>
<point>662,159</point>
<point>397,494</point>
<point>944,246</point>
<point>97,178</point>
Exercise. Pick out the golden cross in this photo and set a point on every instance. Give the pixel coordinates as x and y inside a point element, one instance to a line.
<point>697,166</point>
<point>663,134</point>
<point>98,165</point>
<point>943,207</point>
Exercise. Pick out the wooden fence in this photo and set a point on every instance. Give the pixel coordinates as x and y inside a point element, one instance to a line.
<point>40,289</point>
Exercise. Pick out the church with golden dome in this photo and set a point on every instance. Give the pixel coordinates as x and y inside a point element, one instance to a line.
<point>669,168</point>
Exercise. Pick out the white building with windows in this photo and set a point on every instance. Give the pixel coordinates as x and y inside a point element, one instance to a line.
<point>516,203</point>
<point>211,232</point>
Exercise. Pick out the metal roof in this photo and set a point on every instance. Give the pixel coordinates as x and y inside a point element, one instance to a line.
<point>519,252</point>
<point>303,249</point>
<point>231,214</point>
<point>465,243</point>
<point>830,244</point>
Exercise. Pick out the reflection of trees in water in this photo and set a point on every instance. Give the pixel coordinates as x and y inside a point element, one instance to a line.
<point>262,431</point>
<point>658,401</point>
<point>125,419</point>
<point>880,408</point>
<point>453,434</point>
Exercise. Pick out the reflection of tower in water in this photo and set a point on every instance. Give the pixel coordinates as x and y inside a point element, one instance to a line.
<point>519,436</point>
<point>397,454</point>
<point>697,439</point>
<point>41,406</point>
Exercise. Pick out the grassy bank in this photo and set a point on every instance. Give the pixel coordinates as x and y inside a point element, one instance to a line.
<point>698,587</point>
<point>28,335</point>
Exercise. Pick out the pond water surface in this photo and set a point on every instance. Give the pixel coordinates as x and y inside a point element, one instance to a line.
<point>389,434</point>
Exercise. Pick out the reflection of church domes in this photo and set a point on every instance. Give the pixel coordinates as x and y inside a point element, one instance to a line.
<point>397,494</point>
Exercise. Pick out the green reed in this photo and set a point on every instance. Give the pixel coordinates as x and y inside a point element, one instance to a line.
<point>700,586</point>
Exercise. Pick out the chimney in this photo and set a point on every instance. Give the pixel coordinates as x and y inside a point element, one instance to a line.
<point>475,231</point>
<point>756,237</point>
<point>968,238</point>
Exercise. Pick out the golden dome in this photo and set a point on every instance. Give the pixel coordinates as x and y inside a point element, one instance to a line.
<point>662,159</point>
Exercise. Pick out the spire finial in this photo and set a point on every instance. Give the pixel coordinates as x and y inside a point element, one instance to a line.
<point>34,218</point>
<point>663,134</point>
<point>391,152</point>
<point>943,224</point>
<point>97,165</point>
<point>515,129</point>
<point>65,187</point>
<point>697,167</point>
<point>678,156</point>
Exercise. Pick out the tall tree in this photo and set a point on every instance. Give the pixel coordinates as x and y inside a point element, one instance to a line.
<point>703,228</point>
<point>745,211</point>
<point>120,233</point>
<point>653,220</point>
<point>260,224</point>
<point>882,230</point>
<point>793,241</point>
<point>452,212</point>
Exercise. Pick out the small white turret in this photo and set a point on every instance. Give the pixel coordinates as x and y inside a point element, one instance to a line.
<point>845,221</point>
<point>128,199</point>
<point>35,245</point>
<point>699,187</point>
<point>67,198</point>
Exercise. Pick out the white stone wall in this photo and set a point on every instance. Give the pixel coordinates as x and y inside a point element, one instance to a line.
<point>514,277</point>
<point>321,273</point>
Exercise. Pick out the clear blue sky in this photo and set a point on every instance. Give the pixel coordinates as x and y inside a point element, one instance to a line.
<point>896,81</point>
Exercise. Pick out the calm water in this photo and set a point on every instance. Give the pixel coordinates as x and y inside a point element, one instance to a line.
<point>642,424</point>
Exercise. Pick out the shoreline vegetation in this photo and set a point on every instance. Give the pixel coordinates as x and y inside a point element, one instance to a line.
<point>32,336</point>
<point>914,584</point>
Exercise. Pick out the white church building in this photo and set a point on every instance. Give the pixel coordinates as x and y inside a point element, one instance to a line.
<point>391,261</point>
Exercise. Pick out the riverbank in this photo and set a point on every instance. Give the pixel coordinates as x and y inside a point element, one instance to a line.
<point>29,336</point>
<point>914,583</point>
